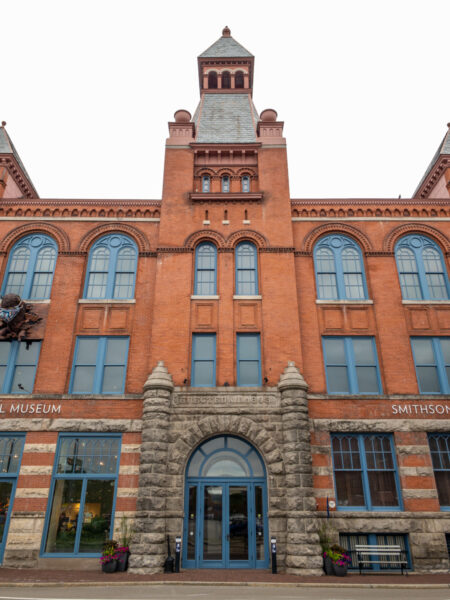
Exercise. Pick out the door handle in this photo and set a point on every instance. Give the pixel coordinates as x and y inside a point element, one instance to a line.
<point>228,537</point>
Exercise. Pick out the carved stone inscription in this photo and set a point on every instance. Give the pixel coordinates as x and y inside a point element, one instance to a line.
<point>225,399</point>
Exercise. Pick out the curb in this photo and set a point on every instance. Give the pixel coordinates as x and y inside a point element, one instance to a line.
<point>53,584</point>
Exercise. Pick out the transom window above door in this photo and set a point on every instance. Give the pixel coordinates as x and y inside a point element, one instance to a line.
<point>225,456</point>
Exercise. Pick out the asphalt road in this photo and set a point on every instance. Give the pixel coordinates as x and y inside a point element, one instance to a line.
<point>217,592</point>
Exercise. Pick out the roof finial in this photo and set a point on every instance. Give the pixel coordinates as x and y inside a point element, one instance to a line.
<point>3,123</point>
<point>226,31</point>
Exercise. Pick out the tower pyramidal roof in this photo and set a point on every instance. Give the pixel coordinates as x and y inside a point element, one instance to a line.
<point>226,47</point>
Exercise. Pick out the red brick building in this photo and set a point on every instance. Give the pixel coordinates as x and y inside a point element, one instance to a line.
<point>298,352</point>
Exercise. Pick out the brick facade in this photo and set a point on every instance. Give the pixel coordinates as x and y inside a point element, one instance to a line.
<point>290,418</point>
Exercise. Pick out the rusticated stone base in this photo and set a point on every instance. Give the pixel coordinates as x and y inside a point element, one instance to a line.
<point>426,534</point>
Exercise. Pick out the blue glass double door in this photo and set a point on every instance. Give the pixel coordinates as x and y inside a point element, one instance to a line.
<point>225,525</point>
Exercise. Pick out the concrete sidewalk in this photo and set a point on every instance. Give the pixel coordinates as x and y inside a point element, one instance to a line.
<point>34,577</point>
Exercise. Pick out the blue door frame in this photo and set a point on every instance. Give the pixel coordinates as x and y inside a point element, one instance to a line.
<point>10,464</point>
<point>256,525</point>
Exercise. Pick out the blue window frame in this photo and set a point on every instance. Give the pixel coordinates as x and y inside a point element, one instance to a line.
<point>248,359</point>
<point>18,363</point>
<point>421,269</point>
<point>30,268</point>
<point>206,184</point>
<point>432,361</point>
<point>225,184</point>
<point>205,270</point>
<point>339,269</point>
<point>203,360</point>
<point>246,269</point>
<point>80,514</point>
<point>440,457</point>
<point>99,365</point>
<point>11,448</point>
<point>245,184</point>
<point>225,521</point>
<point>112,268</point>
<point>349,541</point>
<point>351,365</point>
<point>365,472</point>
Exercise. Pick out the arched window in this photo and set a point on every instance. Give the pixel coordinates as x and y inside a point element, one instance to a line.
<point>226,184</point>
<point>30,268</point>
<point>339,269</point>
<point>239,79</point>
<point>245,184</point>
<point>226,80</point>
<point>421,269</point>
<point>212,80</point>
<point>205,270</point>
<point>112,268</point>
<point>206,184</point>
<point>246,270</point>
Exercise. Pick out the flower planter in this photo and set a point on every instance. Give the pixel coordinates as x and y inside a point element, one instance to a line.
<point>110,566</point>
<point>328,565</point>
<point>340,570</point>
<point>122,561</point>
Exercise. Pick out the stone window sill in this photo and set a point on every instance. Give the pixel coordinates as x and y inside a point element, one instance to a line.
<point>105,301</point>
<point>344,301</point>
<point>256,297</point>
<point>195,297</point>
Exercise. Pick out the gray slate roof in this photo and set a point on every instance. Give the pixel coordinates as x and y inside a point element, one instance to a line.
<point>226,47</point>
<point>444,148</point>
<point>7,147</point>
<point>226,119</point>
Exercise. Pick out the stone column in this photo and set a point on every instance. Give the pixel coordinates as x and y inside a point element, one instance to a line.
<point>303,551</point>
<point>149,548</point>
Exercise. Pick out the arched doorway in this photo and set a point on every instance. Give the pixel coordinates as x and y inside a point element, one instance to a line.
<point>225,524</point>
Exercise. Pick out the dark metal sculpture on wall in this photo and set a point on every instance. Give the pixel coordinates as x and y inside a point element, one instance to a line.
<point>16,317</point>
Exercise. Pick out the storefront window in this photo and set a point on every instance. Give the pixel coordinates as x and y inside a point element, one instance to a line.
<point>83,492</point>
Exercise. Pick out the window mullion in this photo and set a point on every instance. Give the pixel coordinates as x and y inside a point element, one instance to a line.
<point>112,265</point>
<point>80,519</point>
<point>440,364</point>
<point>337,256</point>
<point>351,368</point>
<point>422,274</point>
<point>365,475</point>
<point>28,283</point>
<point>7,382</point>
<point>100,366</point>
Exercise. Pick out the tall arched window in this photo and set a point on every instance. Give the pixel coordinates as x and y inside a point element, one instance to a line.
<point>239,80</point>
<point>246,270</point>
<point>212,80</point>
<point>225,184</point>
<point>112,268</point>
<point>421,269</point>
<point>30,268</point>
<point>205,270</point>
<point>339,269</point>
<point>245,183</point>
<point>226,80</point>
<point>206,184</point>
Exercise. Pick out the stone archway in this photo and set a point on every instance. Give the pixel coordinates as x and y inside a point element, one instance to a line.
<point>171,430</point>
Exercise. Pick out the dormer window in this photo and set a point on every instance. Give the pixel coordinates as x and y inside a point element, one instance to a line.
<point>239,80</point>
<point>206,184</point>
<point>212,80</point>
<point>226,80</point>
<point>225,184</point>
<point>245,184</point>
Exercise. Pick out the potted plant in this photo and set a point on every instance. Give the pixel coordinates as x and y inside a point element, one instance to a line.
<point>109,557</point>
<point>123,551</point>
<point>327,533</point>
<point>339,560</point>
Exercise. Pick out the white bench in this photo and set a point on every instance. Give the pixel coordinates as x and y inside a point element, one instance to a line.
<point>377,554</point>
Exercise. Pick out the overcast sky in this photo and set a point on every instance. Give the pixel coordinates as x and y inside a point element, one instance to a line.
<point>87,88</point>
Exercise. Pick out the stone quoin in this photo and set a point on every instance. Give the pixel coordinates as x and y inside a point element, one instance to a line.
<point>227,363</point>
